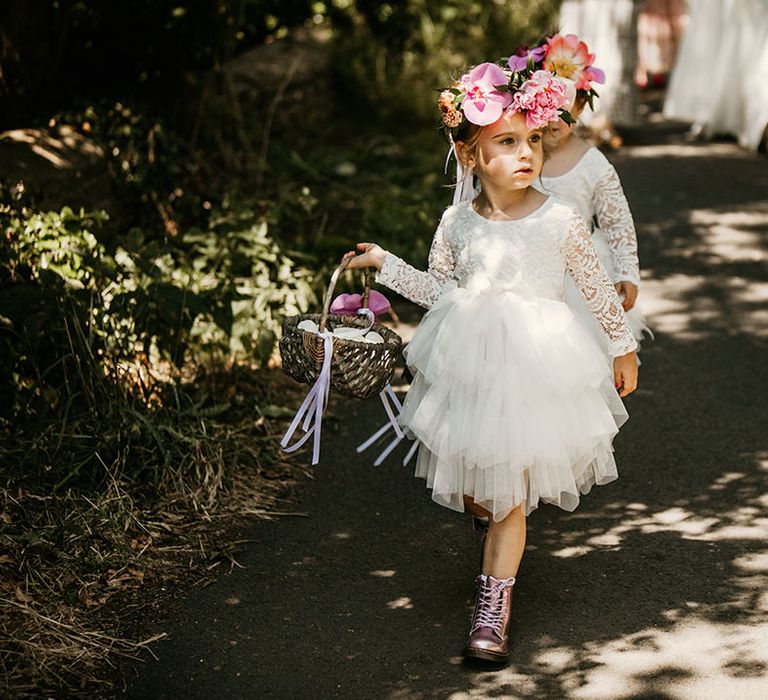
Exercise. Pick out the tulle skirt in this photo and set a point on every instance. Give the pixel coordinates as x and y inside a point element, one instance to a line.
<point>512,400</point>
<point>586,318</point>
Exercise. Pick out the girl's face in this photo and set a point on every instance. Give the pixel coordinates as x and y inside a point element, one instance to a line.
<point>507,154</point>
<point>558,132</point>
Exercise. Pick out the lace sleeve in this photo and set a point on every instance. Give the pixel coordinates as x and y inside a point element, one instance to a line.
<point>594,284</point>
<point>615,220</point>
<point>423,288</point>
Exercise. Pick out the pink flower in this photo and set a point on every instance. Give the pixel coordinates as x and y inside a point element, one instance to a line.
<point>519,61</point>
<point>568,57</point>
<point>542,97</point>
<point>483,104</point>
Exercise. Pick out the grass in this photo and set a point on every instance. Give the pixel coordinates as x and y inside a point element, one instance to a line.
<point>85,563</point>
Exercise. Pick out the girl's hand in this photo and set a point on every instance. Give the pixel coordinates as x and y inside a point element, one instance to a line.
<point>372,255</point>
<point>625,373</point>
<point>629,291</point>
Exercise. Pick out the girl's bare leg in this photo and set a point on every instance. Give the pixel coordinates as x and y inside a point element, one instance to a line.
<point>504,545</point>
<point>475,509</point>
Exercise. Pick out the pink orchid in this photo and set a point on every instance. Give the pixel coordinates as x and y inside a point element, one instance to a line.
<point>568,57</point>
<point>519,61</point>
<point>483,104</point>
<point>348,304</point>
<point>542,97</point>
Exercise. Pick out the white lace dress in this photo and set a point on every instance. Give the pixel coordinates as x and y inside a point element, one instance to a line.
<point>594,188</point>
<point>512,400</point>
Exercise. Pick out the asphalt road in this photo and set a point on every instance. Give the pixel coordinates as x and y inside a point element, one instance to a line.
<point>654,588</point>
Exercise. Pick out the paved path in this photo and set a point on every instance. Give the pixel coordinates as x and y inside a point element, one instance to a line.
<point>654,588</point>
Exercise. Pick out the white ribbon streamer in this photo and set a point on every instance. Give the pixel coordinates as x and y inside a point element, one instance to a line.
<point>388,393</point>
<point>313,406</point>
<point>465,177</point>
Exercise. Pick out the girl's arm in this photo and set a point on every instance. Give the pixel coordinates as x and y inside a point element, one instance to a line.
<point>423,288</point>
<point>615,220</point>
<point>592,280</point>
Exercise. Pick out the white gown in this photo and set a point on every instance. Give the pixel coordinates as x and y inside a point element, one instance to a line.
<point>718,82</point>
<point>512,400</point>
<point>609,28</point>
<point>594,188</point>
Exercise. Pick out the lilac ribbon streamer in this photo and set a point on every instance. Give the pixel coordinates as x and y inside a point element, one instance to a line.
<point>313,406</point>
<point>388,393</point>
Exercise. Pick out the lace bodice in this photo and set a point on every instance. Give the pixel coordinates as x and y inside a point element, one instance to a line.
<point>594,188</point>
<point>529,256</point>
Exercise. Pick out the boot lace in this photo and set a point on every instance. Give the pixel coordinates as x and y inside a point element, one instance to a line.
<point>490,606</point>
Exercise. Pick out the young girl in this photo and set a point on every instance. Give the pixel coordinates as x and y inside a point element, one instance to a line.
<point>512,401</point>
<point>581,175</point>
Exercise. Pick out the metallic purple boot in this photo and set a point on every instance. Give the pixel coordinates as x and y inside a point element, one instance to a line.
<point>488,638</point>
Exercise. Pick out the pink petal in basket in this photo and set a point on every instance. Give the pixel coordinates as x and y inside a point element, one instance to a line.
<point>348,304</point>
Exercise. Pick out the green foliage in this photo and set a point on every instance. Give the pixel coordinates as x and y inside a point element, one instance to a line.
<point>251,282</point>
<point>391,57</point>
<point>72,314</point>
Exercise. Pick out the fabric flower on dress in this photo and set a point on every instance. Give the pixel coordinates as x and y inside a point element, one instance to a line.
<point>568,57</point>
<point>543,98</point>
<point>482,102</point>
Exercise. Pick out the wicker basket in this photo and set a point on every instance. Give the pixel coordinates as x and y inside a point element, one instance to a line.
<point>358,369</point>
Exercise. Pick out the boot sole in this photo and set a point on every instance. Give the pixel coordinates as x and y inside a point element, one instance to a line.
<point>485,655</point>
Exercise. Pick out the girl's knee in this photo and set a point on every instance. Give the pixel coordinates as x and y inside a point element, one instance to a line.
<point>515,518</point>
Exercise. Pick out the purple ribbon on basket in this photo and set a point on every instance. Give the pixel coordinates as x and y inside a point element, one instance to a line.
<point>388,392</point>
<point>313,406</point>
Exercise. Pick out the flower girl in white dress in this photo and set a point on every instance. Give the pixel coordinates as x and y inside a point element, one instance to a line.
<point>513,402</point>
<point>580,174</point>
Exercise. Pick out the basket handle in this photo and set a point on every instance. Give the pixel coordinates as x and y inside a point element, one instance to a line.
<point>332,285</point>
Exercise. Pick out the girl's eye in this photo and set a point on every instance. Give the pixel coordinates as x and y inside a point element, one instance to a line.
<point>536,138</point>
<point>508,141</point>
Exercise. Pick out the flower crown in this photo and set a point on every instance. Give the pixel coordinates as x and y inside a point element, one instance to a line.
<point>542,82</point>
<point>567,57</point>
<point>487,91</point>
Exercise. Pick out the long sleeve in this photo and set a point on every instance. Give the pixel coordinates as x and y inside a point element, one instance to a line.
<point>595,286</point>
<point>423,288</point>
<point>615,220</point>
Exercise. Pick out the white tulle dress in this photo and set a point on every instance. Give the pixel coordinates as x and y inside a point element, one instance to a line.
<point>512,399</point>
<point>594,188</point>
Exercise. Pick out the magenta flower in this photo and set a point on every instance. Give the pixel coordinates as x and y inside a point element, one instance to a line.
<point>483,104</point>
<point>519,61</point>
<point>542,97</point>
<point>348,304</point>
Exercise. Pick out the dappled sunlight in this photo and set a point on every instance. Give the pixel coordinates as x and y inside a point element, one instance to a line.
<point>61,150</point>
<point>732,235</point>
<point>747,521</point>
<point>694,149</point>
<point>682,305</point>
